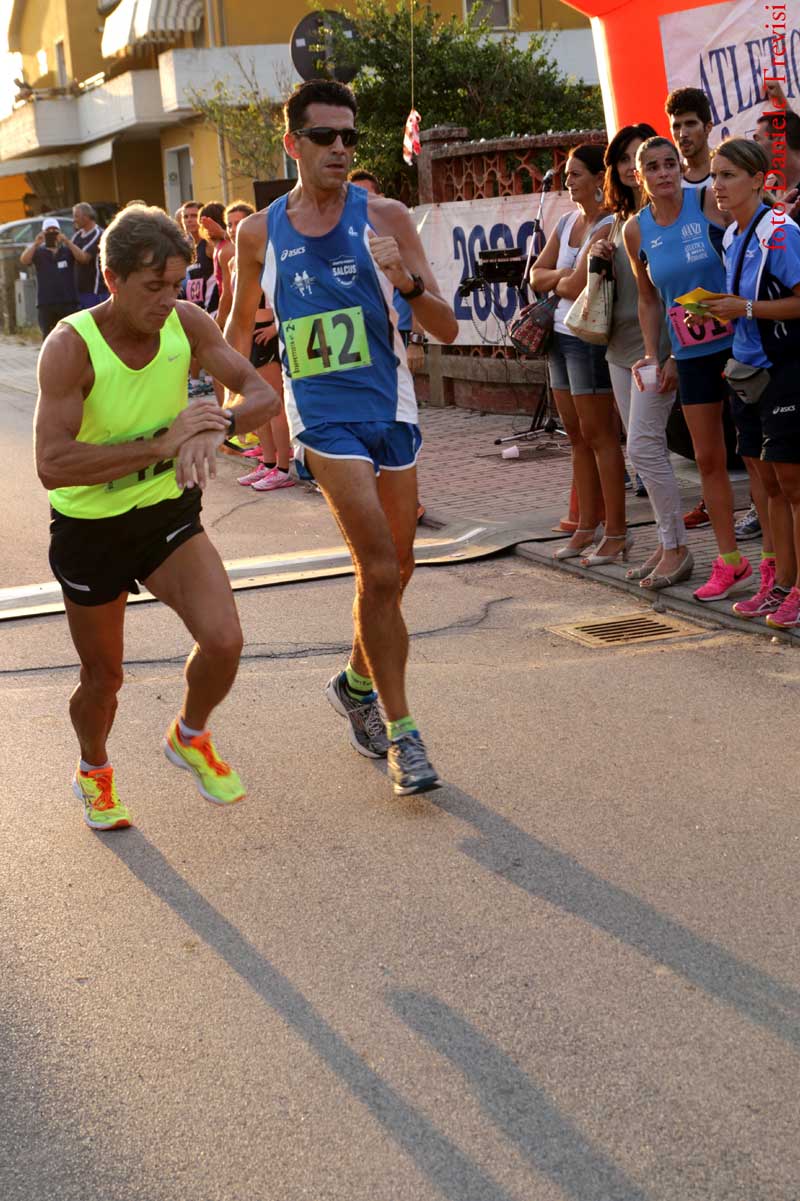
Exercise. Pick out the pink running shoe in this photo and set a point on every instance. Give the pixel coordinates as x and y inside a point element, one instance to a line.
<point>765,600</point>
<point>255,452</point>
<point>788,616</point>
<point>723,579</point>
<point>253,476</point>
<point>274,479</point>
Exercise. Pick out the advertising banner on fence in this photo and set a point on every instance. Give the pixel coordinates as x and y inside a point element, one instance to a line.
<point>730,51</point>
<point>453,236</point>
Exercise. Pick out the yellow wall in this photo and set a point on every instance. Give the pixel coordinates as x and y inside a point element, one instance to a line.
<point>43,23</point>
<point>12,190</point>
<point>97,183</point>
<point>83,51</point>
<point>204,149</point>
<point>137,170</point>
<point>247,24</point>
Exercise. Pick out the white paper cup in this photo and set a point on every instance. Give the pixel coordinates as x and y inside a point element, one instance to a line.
<point>649,377</point>
<point>511,452</point>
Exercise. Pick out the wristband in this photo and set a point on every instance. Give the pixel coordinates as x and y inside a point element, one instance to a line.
<point>748,310</point>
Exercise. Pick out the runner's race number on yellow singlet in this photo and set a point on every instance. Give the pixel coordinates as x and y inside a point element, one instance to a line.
<point>326,342</point>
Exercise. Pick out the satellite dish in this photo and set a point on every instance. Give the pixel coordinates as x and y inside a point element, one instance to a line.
<point>311,49</point>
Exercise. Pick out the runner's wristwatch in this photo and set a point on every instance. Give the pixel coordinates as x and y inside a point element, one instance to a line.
<point>417,290</point>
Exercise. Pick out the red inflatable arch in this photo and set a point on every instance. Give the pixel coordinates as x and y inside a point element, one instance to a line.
<point>627,42</point>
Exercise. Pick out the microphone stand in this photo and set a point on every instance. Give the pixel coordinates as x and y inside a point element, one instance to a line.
<point>542,421</point>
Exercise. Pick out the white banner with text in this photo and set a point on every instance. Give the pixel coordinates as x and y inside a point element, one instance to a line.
<point>729,50</point>
<point>454,235</point>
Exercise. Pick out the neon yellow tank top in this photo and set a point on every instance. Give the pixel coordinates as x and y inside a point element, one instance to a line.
<point>125,405</point>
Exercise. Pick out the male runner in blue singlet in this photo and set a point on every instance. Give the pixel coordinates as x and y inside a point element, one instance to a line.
<point>328,257</point>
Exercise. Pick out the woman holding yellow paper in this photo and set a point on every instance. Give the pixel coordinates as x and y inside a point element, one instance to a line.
<point>674,244</point>
<point>762,259</point>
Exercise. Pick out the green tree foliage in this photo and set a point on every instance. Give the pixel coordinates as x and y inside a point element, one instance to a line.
<point>462,76</point>
<point>250,122</point>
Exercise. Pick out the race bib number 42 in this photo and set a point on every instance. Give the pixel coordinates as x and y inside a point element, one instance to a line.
<point>326,342</point>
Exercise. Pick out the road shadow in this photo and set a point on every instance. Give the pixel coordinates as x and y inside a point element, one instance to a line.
<point>561,881</point>
<point>518,1107</point>
<point>434,1155</point>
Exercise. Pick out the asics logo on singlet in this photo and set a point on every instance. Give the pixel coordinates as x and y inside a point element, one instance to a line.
<point>656,242</point>
<point>290,254</point>
<point>693,230</point>
<point>345,271</point>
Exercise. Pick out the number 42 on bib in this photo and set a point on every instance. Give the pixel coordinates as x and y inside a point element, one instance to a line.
<point>326,342</point>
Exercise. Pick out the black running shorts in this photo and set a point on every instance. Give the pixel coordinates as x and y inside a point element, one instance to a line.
<point>262,353</point>
<point>96,560</point>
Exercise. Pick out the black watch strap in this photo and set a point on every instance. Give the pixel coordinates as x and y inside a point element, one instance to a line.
<point>417,290</point>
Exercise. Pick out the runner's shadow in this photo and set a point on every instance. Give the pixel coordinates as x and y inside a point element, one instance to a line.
<point>562,881</point>
<point>552,1144</point>
<point>435,1155</point>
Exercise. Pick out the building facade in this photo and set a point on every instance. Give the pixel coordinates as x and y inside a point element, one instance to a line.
<point>103,106</point>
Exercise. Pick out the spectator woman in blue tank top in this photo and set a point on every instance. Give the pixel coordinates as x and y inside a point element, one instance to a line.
<point>762,259</point>
<point>674,243</point>
<point>644,414</point>
<point>579,372</point>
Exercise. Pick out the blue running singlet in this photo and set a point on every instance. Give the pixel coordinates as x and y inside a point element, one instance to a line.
<point>342,356</point>
<point>681,257</point>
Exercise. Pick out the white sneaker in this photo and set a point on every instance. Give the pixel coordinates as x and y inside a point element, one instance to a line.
<point>273,479</point>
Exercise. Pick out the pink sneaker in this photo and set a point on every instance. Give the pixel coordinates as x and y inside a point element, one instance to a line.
<point>274,479</point>
<point>253,476</point>
<point>723,579</point>
<point>788,616</point>
<point>255,452</point>
<point>764,601</point>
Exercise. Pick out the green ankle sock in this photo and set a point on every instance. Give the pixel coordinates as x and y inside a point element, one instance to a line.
<point>768,554</point>
<point>358,686</point>
<point>733,558</point>
<point>403,725</point>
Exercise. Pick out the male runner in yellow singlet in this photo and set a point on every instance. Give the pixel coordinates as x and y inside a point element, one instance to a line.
<point>125,457</point>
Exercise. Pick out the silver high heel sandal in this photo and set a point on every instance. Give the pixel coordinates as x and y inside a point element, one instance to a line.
<point>575,552</point>
<point>594,560</point>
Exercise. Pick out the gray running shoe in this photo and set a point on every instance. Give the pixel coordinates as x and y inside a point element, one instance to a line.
<point>749,526</point>
<point>410,770</point>
<point>367,731</point>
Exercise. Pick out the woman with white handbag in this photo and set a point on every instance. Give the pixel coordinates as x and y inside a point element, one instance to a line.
<point>645,412</point>
<point>579,374</point>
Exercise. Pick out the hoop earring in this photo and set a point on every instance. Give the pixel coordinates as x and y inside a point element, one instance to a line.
<point>598,194</point>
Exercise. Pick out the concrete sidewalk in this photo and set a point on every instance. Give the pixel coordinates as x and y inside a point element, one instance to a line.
<point>462,475</point>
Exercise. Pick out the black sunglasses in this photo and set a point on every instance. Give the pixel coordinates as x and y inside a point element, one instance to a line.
<point>323,135</point>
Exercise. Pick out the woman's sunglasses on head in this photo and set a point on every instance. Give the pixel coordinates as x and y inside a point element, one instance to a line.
<point>323,135</point>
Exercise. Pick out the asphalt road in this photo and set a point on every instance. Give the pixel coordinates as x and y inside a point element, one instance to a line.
<point>572,974</point>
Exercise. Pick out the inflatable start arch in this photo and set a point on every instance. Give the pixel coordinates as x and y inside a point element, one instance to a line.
<point>645,48</point>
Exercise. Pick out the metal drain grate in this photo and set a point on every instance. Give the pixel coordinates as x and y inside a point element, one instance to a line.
<point>626,630</point>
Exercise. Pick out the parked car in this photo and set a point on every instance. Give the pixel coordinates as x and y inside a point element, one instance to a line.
<point>22,233</point>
